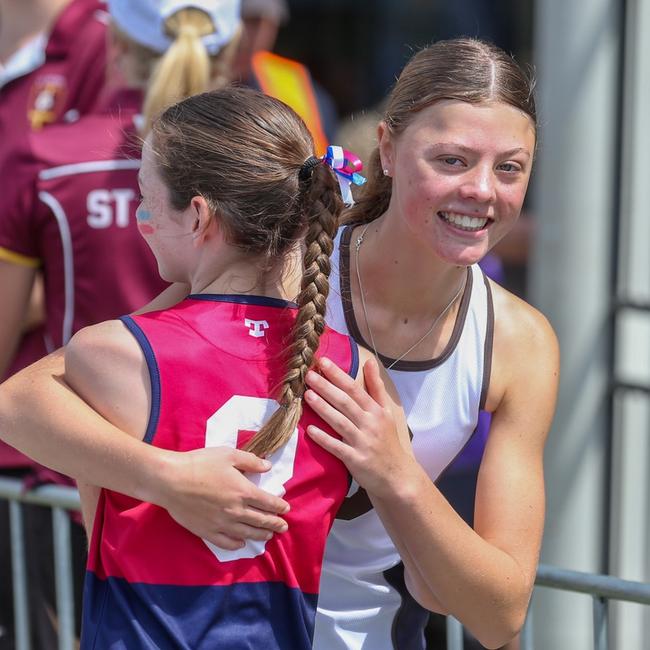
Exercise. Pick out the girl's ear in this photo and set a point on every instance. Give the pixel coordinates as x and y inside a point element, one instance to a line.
<point>204,224</point>
<point>385,141</point>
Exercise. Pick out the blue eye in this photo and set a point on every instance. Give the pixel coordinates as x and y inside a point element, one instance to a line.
<point>452,160</point>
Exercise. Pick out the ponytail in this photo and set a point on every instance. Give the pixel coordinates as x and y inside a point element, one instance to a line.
<point>186,68</point>
<point>321,207</point>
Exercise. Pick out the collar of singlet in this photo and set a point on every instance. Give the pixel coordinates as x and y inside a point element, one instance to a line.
<point>242,299</point>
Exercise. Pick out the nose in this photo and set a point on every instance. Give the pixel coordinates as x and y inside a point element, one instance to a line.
<point>479,184</point>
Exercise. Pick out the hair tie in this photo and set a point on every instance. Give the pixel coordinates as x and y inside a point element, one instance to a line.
<point>345,164</point>
<point>307,168</point>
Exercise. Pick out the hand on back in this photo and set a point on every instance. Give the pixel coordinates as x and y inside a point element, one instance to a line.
<point>207,492</point>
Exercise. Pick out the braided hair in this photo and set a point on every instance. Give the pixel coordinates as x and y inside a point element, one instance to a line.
<point>251,158</point>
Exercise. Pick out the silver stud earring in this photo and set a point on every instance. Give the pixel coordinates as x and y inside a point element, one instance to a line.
<point>385,172</point>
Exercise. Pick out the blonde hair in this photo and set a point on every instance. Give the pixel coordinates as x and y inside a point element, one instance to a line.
<point>252,148</point>
<point>185,69</point>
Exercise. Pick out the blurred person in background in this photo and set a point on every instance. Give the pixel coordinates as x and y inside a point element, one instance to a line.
<point>69,210</point>
<point>278,76</point>
<point>52,70</point>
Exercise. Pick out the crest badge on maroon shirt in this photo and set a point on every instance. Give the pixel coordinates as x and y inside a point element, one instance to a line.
<point>46,100</point>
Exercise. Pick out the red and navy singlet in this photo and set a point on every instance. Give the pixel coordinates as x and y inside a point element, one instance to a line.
<point>214,362</point>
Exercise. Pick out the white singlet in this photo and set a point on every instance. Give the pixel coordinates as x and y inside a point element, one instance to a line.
<point>363,603</point>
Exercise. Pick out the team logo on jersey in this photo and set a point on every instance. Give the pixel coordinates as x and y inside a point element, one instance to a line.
<point>46,100</point>
<point>256,327</point>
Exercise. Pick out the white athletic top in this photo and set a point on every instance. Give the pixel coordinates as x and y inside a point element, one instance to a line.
<point>363,603</point>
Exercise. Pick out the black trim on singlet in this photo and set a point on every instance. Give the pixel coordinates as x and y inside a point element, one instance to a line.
<point>354,358</point>
<point>489,339</point>
<point>353,328</point>
<point>243,299</point>
<point>359,503</point>
<point>407,630</point>
<point>154,375</point>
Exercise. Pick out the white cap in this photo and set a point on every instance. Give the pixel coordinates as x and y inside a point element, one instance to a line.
<point>144,20</point>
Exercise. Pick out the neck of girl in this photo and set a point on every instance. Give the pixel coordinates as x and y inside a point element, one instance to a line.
<point>391,260</point>
<point>246,275</point>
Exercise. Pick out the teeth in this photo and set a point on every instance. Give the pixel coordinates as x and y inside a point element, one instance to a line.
<point>464,221</point>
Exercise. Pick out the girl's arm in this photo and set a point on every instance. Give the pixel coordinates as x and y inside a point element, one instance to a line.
<point>484,576</point>
<point>204,490</point>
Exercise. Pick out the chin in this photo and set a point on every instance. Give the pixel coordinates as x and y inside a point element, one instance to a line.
<point>465,256</point>
<point>168,275</point>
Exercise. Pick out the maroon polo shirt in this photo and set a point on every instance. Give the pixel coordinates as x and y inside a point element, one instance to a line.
<point>71,212</point>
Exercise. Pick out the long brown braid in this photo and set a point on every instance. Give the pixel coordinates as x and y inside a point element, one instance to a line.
<point>243,151</point>
<point>322,205</point>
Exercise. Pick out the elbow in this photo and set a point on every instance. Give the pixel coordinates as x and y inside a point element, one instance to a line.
<point>496,629</point>
<point>422,595</point>
<point>499,634</point>
<point>431,604</point>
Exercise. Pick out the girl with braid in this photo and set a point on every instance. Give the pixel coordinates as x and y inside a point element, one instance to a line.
<point>249,230</point>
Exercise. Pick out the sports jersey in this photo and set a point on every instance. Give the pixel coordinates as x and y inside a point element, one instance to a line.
<point>364,602</point>
<point>70,211</point>
<point>214,362</point>
<point>55,77</point>
<point>73,214</point>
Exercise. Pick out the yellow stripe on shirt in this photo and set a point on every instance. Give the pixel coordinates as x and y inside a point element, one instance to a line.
<point>17,258</point>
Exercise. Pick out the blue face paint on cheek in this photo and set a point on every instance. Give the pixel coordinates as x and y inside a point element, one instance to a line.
<point>143,217</point>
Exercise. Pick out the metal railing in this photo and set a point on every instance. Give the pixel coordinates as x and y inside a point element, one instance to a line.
<point>601,588</point>
<point>61,499</point>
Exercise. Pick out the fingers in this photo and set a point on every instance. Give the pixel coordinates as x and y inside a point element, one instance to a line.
<point>374,383</point>
<point>346,396</point>
<point>267,503</point>
<point>347,385</point>
<point>225,542</point>
<point>262,521</point>
<point>339,422</point>
<point>335,447</point>
<point>244,461</point>
<point>250,532</point>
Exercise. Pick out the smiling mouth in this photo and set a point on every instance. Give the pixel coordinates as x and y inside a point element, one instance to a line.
<point>464,221</point>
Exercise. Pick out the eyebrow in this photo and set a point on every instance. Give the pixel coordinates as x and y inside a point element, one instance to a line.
<point>462,147</point>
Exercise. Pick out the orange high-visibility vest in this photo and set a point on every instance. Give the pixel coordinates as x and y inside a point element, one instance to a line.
<point>290,82</point>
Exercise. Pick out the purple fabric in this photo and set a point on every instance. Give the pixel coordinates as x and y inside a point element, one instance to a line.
<point>470,456</point>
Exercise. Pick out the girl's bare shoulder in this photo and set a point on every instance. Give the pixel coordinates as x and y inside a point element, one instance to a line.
<point>525,346</point>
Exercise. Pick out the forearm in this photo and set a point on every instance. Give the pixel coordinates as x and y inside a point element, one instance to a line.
<point>470,578</point>
<point>415,581</point>
<point>42,417</point>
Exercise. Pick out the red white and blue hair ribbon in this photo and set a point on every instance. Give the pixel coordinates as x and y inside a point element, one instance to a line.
<point>346,166</point>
